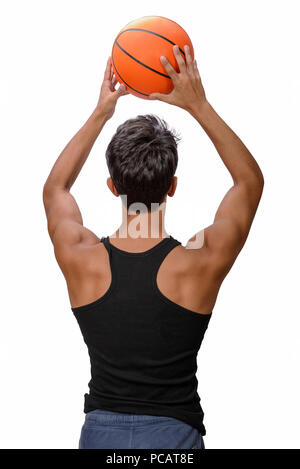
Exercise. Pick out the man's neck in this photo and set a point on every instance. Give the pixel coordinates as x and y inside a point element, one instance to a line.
<point>146,224</point>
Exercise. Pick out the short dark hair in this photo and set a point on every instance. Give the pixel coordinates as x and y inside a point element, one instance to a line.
<point>142,159</point>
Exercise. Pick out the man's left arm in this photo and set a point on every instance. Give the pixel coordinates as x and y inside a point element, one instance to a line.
<point>65,223</point>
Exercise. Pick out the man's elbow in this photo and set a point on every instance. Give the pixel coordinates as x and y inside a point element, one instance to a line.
<point>47,192</point>
<point>260,183</point>
<point>260,179</point>
<point>255,188</point>
<point>255,182</point>
<point>50,190</point>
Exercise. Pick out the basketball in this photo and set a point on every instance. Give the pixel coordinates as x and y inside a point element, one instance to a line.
<point>137,50</point>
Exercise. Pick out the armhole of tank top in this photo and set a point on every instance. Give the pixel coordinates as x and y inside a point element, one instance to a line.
<point>109,290</point>
<point>108,249</point>
<point>167,300</point>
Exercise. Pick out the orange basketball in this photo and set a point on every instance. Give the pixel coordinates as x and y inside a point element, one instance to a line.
<point>137,50</point>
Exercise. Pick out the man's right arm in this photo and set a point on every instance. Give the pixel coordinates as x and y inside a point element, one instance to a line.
<point>226,236</point>
<point>223,240</point>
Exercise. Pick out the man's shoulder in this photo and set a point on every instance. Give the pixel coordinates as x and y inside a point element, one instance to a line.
<point>199,257</point>
<point>187,260</point>
<point>83,258</point>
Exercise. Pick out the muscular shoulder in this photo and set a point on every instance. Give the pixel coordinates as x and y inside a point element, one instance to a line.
<point>87,272</point>
<point>184,277</point>
<point>182,261</point>
<point>216,247</point>
<point>82,258</point>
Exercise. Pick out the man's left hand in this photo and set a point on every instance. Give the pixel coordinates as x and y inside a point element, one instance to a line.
<point>108,94</point>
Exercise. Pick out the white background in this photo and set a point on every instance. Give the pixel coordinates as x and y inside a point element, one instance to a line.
<point>53,55</point>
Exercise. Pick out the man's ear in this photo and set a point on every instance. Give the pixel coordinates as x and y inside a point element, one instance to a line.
<point>173,186</point>
<point>111,186</point>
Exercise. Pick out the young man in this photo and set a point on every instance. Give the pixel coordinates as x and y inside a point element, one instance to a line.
<point>143,301</point>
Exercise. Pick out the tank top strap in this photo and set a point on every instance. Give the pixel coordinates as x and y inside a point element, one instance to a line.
<point>161,251</point>
<point>106,243</point>
<point>151,259</point>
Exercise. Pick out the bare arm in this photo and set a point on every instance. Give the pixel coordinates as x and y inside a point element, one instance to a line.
<point>60,205</point>
<point>236,211</point>
<point>65,223</point>
<point>226,236</point>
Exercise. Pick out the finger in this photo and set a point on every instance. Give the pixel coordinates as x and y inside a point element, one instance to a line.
<point>197,74</point>
<point>168,68</point>
<point>179,59</point>
<point>121,91</point>
<point>188,58</point>
<point>107,73</point>
<point>125,91</point>
<point>159,96</point>
<point>114,81</point>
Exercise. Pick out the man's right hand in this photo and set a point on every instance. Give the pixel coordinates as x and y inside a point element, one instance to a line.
<point>188,91</point>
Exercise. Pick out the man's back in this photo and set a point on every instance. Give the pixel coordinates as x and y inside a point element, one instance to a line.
<point>188,277</point>
<point>142,346</point>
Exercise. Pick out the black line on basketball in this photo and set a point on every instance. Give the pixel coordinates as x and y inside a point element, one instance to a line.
<point>150,32</point>
<point>141,63</point>
<point>137,91</point>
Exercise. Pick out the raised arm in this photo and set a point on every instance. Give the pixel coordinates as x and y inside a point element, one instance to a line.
<point>224,239</point>
<point>65,223</point>
<point>234,216</point>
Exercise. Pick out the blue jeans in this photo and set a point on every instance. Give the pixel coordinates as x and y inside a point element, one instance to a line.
<point>104,429</point>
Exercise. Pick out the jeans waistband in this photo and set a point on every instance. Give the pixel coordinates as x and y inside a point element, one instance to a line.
<point>108,417</point>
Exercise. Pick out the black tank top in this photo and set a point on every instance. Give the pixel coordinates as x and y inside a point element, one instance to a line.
<point>142,346</point>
